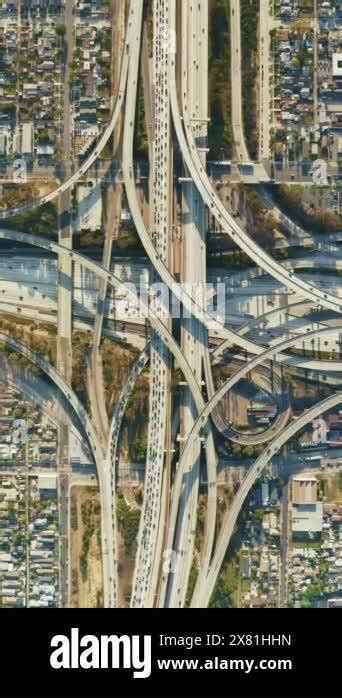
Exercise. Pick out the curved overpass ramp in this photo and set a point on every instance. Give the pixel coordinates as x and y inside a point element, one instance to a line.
<point>199,429</point>
<point>108,549</point>
<point>134,9</point>
<point>218,210</point>
<point>205,584</point>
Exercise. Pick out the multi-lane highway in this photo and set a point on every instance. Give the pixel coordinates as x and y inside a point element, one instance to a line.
<point>146,565</point>
<point>176,85</point>
<point>264,81</point>
<point>236,82</point>
<point>194,339</point>
<point>222,216</point>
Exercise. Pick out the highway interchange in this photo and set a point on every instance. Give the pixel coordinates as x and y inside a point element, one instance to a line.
<point>179,106</point>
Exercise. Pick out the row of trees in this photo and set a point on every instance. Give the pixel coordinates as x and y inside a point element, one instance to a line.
<point>42,221</point>
<point>249,45</point>
<point>246,451</point>
<point>90,512</point>
<point>220,133</point>
<point>290,198</point>
<point>128,522</point>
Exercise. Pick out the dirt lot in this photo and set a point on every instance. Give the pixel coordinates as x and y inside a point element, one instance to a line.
<point>86,563</point>
<point>39,337</point>
<point>117,361</point>
<point>332,483</point>
<point>236,408</point>
<point>45,188</point>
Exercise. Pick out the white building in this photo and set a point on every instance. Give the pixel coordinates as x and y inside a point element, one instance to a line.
<point>337,65</point>
<point>265,494</point>
<point>89,207</point>
<point>307,518</point>
<point>26,145</point>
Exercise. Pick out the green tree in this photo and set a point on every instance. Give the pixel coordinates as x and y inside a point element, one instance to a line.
<point>60,30</point>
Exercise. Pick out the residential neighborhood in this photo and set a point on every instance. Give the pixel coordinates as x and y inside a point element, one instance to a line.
<point>34,47</point>
<point>306,102</point>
